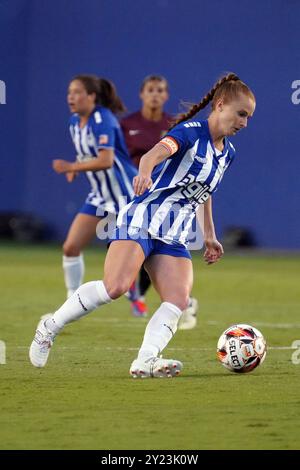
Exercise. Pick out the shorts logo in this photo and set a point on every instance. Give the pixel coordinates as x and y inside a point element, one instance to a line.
<point>103,139</point>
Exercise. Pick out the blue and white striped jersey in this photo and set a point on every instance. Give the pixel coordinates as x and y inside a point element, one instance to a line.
<point>111,189</point>
<point>180,183</point>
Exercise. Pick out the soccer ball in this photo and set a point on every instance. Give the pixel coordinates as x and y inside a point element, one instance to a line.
<point>241,348</point>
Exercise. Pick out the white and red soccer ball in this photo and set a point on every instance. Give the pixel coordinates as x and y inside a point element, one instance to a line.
<point>241,348</point>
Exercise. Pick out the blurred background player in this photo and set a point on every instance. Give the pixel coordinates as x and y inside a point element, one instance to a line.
<point>142,130</point>
<point>103,157</point>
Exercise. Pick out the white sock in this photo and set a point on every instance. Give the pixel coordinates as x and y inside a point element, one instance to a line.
<point>160,330</point>
<point>73,267</point>
<point>86,298</point>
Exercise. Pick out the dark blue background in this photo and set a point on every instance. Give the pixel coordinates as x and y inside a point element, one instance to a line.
<point>43,43</point>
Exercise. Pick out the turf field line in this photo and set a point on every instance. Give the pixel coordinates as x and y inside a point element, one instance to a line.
<point>137,322</point>
<point>125,348</point>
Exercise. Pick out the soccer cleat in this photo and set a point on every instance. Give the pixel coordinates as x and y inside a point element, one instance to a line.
<point>47,316</point>
<point>188,319</point>
<point>155,367</point>
<point>40,346</point>
<point>139,308</point>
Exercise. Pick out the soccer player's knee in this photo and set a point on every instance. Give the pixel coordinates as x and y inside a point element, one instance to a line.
<point>71,249</point>
<point>117,289</point>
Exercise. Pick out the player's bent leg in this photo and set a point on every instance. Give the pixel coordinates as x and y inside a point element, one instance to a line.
<point>122,264</point>
<point>88,297</point>
<point>174,292</point>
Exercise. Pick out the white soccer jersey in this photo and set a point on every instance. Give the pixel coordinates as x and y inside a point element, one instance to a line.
<point>111,189</point>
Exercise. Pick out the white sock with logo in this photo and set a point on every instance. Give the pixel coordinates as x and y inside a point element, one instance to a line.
<point>160,330</point>
<point>73,267</point>
<point>86,298</point>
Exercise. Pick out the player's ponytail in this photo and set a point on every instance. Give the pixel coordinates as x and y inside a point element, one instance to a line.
<point>227,88</point>
<point>108,96</point>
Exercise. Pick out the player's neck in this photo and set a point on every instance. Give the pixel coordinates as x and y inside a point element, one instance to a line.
<point>152,114</point>
<point>84,116</point>
<point>216,135</point>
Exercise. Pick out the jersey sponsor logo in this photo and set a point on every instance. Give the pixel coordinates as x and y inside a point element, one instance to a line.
<point>103,139</point>
<point>134,131</point>
<point>196,192</point>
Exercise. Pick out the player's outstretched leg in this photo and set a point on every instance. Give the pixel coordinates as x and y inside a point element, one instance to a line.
<point>159,331</point>
<point>88,297</point>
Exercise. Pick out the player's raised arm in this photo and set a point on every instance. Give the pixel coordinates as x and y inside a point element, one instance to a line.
<point>156,155</point>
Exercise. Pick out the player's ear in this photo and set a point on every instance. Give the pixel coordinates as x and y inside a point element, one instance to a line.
<point>219,105</point>
<point>92,97</point>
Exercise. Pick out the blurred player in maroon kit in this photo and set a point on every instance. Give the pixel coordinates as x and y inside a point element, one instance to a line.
<point>142,130</point>
<point>146,127</point>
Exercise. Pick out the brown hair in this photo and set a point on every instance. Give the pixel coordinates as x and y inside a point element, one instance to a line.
<point>153,78</point>
<point>227,87</point>
<point>105,91</point>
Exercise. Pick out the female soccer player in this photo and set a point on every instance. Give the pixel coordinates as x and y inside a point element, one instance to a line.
<point>190,163</point>
<point>103,157</point>
<point>142,130</point>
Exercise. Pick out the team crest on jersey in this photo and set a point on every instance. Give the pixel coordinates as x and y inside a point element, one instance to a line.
<point>103,139</point>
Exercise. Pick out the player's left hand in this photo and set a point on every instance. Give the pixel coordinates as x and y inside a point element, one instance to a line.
<point>213,252</point>
<point>61,166</point>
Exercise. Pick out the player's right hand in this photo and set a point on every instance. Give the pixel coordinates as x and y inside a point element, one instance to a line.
<point>141,184</point>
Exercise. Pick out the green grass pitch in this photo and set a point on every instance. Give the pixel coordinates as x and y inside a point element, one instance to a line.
<point>84,398</point>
